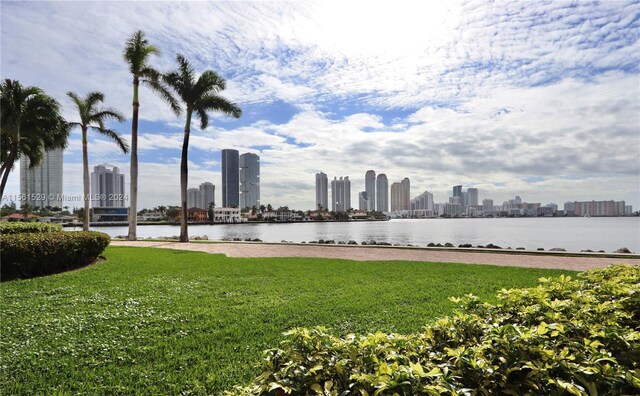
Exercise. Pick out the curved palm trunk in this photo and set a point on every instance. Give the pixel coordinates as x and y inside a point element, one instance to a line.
<point>85,168</point>
<point>7,166</point>
<point>184,179</point>
<point>133,203</point>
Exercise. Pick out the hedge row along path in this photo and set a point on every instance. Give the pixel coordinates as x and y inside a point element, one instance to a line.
<point>362,253</point>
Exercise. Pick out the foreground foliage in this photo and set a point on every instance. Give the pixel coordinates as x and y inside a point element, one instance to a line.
<point>564,336</point>
<point>164,322</point>
<point>19,227</point>
<point>27,255</point>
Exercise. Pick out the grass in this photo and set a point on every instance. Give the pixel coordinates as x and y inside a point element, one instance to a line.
<point>153,321</point>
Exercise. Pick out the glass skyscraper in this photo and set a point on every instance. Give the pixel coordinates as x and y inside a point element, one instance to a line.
<point>230,178</point>
<point>249,180</point>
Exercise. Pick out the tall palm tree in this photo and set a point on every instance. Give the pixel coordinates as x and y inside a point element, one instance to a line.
<point>199,96</point>
<point>92,117</point>
<point>136,54</point>
<point>30,125</point>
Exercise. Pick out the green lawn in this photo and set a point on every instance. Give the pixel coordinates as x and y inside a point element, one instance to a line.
<point>152,321</point>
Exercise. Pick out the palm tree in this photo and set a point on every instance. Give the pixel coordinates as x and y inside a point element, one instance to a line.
<point>199,96</point>
<point>30,125</point>
<point>94,118</point>
<point>136,54</point>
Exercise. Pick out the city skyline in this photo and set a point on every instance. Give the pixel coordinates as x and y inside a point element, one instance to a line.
<point>538,100</point>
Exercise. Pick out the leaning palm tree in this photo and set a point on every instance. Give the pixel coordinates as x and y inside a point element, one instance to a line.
<point>30,125</point>
<point>136,54</point>
<point>199,96</point>
<point>92,117</point>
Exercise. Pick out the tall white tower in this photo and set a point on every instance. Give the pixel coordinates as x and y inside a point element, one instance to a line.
<point>42,185</point>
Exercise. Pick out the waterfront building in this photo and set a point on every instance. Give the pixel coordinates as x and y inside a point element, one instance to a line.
<point>405,194</point>
<point>400,195</point>
<point>569,208</point>
<point>107,187</point>
<point>600,208</point>
<point>230,178</point>
<point>341,194</point>
<point>363,201</point>
<point>194,215</point>
<point>457,191</point>
<point>487,206</point>
<point>628,210</point>
<point>42,186</point>
<point>226,215</point>
<point>395,196</point>
<point>249,180</point>
<point>382,193</point>
<point>450,209</point>
<point>422,205</point>
<point>109,214</point>
<point>370,188</point>
<point>322,191</point>
<point>207,195</point>
<point>193,198</point>
<point>471,197</point>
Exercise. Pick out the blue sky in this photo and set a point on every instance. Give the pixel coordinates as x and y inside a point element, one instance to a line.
<point>535,99</point>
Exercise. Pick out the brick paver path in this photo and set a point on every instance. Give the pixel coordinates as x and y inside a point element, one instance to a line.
<point>363,253</point>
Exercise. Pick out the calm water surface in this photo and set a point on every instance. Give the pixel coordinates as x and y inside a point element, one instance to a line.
<point>573,233</point>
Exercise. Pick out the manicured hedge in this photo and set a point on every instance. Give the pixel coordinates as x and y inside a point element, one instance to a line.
<point>565,336</point>
<point>18,228</point>
<point>27,255</point>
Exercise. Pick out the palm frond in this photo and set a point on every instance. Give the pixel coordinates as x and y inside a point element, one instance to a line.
<point>80,105</point>
<point>165,94</point>
<point>108,113</point>
<point>218,103</point>
<point>92,99</point>
<point>203,116</point>
<point>113,135</point>
<point>137,51</point>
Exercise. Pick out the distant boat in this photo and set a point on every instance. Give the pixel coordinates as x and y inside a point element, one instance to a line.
<point>587,215</point>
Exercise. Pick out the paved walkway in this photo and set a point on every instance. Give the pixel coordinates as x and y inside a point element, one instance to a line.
<point>362,253</point>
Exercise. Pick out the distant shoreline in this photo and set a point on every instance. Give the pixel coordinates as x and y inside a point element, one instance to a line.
<point>172,223</point>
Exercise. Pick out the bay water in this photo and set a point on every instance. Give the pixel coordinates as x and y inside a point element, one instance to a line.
<point>571,233</point>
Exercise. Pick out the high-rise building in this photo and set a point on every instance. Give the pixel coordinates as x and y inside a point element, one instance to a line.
<point>107,187</point>
<point>363,201</point>
<point>42,185</point>
<point>405,194</point>
<point>341,194</point>
<point>322,191</point>
<point>207,195</point>
<point>193,198</point>
<point>395,196</point>
<point>370,188</point>
<point>487,205</point>
<point>423,201</point>
<point>249,180</point>
<point>401,195</point>
<point>230,178</point>
<point>457,192</point>
<point>382,193</point>
<point>599,208</point>
<point>471,197</point>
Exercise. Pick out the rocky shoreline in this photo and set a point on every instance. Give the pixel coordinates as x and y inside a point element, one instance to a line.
<point>490,246</point>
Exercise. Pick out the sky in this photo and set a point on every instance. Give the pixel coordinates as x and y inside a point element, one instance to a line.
<point>536,99</point>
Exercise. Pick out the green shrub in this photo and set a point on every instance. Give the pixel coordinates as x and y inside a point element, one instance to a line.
<point>28,255</point>
<point>564,336</point>
<point>19,227</point>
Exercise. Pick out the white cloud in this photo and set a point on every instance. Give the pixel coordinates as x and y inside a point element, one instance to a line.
<point>495,92</point>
